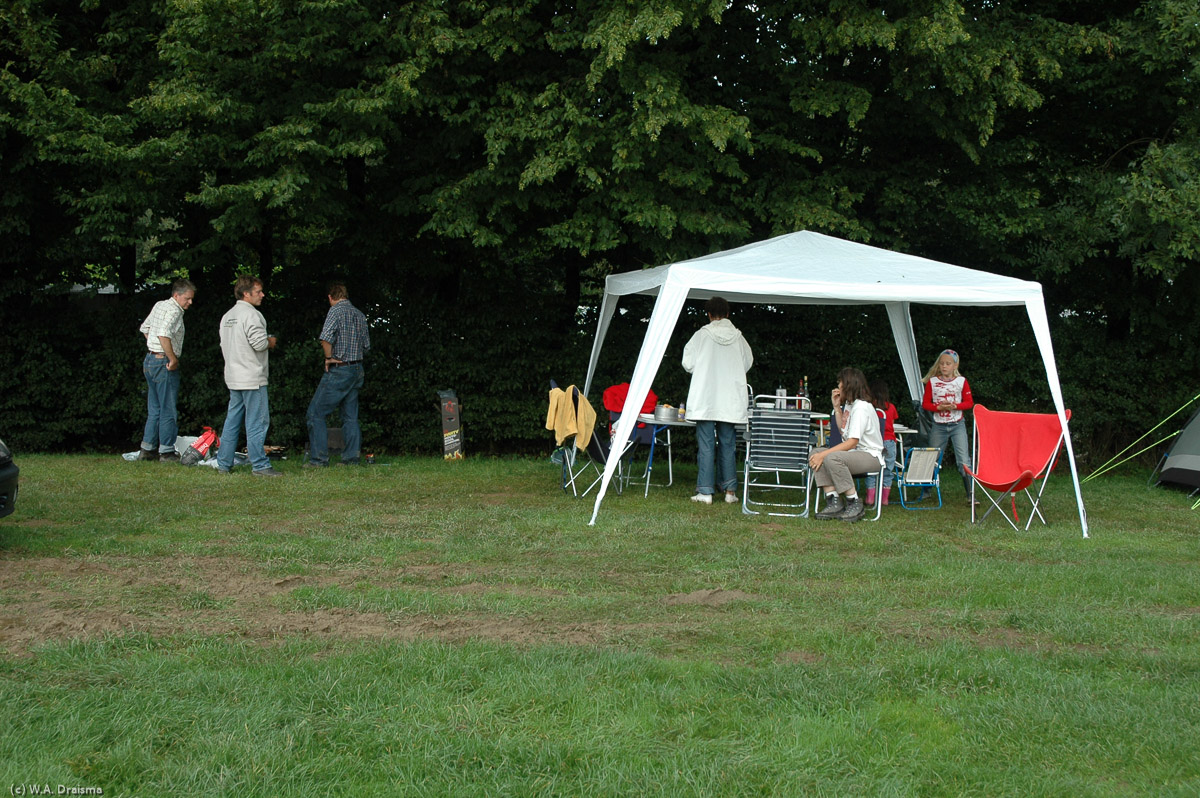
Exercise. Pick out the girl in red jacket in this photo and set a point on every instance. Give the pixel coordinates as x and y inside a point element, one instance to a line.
<point>947,395</point>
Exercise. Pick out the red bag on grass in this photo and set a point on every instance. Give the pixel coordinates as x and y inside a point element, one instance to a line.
<point>199,449</point>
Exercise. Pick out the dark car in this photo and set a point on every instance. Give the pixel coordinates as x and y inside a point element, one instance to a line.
<point>8,481</point>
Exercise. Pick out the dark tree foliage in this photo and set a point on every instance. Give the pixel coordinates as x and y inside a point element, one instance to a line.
<point>474,170</point>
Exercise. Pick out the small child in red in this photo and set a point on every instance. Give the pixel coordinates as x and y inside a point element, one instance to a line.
<point>887,423</point>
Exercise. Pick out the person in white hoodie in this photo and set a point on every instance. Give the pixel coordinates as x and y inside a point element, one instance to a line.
<point>718,358</point>
<point>246,347</point>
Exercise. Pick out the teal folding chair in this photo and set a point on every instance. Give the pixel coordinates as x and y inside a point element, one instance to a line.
<point>922,471</point>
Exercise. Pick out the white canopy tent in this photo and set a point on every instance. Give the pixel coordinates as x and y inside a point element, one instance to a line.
<point>810,268</point>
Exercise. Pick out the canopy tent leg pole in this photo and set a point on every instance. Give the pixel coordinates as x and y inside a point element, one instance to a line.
<point>900,315</point>
<point>658,334</point>
<point>607,308</point>
<point>1041,331</point>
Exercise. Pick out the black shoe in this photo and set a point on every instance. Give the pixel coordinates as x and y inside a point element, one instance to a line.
<point>168,457</point>
<point>267,472</point>
<point>853,511</point>
<point>833,507</point>
<point>147,454</point>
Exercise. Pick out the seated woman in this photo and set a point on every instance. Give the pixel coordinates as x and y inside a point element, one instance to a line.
<point>860,451</point>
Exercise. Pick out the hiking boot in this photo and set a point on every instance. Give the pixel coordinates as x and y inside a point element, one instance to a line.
<point>168,457</point>
<point>703,498</point>
<point>267,472</point>
<point>147,454</point>
<point>833,507</point>
<point>853,511</point>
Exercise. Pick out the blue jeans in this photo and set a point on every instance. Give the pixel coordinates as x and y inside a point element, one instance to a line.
<point>338,388</point>
<point>956,433</point>
<point>723,434</point>
<point>162,392</point>
<point>889,466</point>
<point>252,408</point>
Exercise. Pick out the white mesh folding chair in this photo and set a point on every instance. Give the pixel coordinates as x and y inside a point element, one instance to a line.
<point>878,474</point>
<point>879,493</point>
<point>776,467</point>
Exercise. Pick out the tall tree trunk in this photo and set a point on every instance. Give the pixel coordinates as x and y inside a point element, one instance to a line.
<point>572,267</point>
<point>127,268</point>
<point>266,254</point>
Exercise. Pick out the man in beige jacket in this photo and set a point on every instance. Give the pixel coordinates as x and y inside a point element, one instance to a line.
<point>246,347</point>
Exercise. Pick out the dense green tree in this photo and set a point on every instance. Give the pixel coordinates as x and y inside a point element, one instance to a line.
<point>478,168</point>
<point>73,205</point>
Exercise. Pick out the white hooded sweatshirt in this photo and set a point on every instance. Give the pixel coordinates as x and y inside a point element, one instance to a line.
<point>718,358</point>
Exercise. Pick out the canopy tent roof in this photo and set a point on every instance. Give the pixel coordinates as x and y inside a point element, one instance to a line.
<point>815,269</point>
<point>811,268</point>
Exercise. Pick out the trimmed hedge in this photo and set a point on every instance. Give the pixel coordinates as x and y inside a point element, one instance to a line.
<point>73,380</point>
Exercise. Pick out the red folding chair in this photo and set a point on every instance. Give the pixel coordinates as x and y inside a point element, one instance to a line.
<point>1011,452</point>
<point>642,435</point>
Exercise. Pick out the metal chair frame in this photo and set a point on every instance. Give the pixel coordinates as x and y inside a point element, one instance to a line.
<point>857,476</point>
<point>922,469</point>
<point>778,441</point>
<point>652,437</point>
<point>878,494</point>
<point>1023,481</point>
<point>594,456</point>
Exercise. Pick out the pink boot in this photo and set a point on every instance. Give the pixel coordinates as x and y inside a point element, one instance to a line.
<point>887,495</point>
<point>870,497</point>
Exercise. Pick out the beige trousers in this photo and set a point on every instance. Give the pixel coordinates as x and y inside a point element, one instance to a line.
<point>838,469</point>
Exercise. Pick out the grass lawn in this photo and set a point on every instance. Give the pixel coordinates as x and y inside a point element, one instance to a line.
<point>427,628</point>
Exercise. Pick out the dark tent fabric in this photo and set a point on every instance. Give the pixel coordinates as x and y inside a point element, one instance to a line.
<point>1182,465</point>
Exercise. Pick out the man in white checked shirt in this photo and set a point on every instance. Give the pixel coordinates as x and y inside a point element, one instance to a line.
<point>163,330</point>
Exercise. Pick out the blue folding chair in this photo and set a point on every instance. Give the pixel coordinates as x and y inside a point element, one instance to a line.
<point>922,471</point>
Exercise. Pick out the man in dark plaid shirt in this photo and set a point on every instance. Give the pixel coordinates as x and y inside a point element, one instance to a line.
<point>345,340</point>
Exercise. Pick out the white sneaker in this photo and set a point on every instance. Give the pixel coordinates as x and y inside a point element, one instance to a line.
<point>731,498</point>
<point>703,498</point>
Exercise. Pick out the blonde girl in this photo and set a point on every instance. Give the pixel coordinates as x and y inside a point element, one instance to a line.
<point>947,395</point>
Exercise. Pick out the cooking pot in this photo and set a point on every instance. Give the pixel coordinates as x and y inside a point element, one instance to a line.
<point>666,413</point>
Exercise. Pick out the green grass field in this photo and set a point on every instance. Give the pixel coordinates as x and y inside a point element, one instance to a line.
<point>428,628</point>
